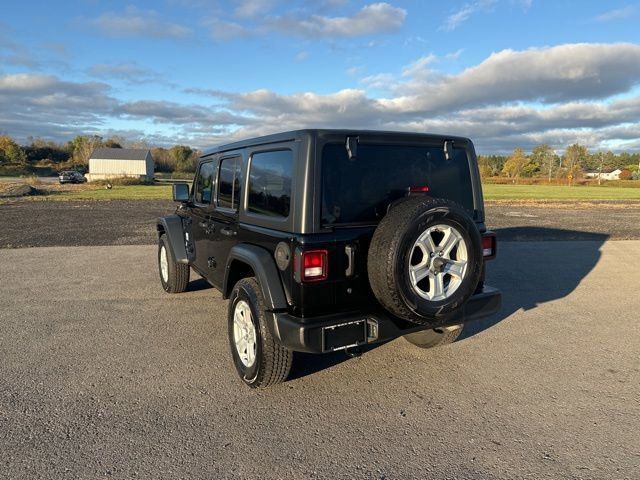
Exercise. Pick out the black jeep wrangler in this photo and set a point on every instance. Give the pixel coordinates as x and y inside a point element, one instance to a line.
<point>328,240</point>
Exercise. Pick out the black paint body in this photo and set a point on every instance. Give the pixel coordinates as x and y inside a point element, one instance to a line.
<point>224,245</point>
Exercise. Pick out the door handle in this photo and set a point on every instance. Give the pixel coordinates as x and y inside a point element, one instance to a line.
<point>228,232</point>
<point>349,250</point>
<point>209,227</point>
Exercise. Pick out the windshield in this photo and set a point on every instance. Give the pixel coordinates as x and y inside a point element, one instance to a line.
<point>360,190</point>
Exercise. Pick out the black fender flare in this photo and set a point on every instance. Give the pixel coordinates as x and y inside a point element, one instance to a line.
<point>171,225</point>
<point>264,267</point>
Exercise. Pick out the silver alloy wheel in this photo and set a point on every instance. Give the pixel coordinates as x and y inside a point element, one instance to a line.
<point>244,333</point>
<point>438,262</point>
<point>164,264</point>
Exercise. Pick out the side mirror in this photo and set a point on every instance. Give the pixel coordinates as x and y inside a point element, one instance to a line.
<point>180,192</point>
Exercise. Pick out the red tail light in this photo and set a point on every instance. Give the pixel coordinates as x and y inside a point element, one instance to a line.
<point>314,266</point>
<point>489,245</point>
<point>419,189</point>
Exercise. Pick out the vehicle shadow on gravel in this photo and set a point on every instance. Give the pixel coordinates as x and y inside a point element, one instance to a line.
<point>549,266</point>
<point>198,284</point>
<point>534,265</point>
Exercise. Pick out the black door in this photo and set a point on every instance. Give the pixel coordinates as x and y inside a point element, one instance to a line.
<point>202,227</point>
<point>225,215</point>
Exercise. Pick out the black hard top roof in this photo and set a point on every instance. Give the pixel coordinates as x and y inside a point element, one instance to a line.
<point>297,134</point>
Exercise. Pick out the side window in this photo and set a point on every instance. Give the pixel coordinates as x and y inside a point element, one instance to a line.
<point>270,183</point>
<point>229,183</point>
<point>204,183</point>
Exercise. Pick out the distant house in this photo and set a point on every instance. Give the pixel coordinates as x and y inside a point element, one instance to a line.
<point>106,163</point>
<point>615,175</point>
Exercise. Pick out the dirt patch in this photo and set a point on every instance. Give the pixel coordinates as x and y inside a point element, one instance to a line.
<point>17,190</point>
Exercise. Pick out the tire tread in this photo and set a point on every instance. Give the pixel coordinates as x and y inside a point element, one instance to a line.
<point>178,272</point>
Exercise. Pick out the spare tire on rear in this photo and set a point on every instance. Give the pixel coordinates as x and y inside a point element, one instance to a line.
<point>425,259</point>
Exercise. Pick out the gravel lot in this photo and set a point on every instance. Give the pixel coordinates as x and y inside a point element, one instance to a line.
<point>122,222</point>
<point>73,223</point>
<point>104,375</point>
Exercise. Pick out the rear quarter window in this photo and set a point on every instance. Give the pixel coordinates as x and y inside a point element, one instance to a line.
<point>270,176</point>
<point>229,183</point>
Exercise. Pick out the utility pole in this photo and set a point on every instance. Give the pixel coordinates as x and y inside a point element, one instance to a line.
<point>600,170</point>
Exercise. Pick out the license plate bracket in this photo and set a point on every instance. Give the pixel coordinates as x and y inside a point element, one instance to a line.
<point>344,335</point>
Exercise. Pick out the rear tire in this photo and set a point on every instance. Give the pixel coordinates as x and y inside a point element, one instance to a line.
<point>434,337</point>
<point>174,276</point>
<point>259,360</point>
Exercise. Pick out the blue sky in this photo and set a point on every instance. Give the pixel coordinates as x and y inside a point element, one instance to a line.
<point>505,72</point>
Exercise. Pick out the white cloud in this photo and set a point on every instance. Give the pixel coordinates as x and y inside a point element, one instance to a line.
<point>374,18</point>
<point>129,72</point>
<point>584,92</point>
<point>353,71</point>
<point>253,8</point>
<point>454,55</point>
<point>380,81</point>
<point>419,67</point>
<point>460,16</point>
<point>617,14</point>
<point>552,74</point>
<point>224,31</point>
<point>136,22</point>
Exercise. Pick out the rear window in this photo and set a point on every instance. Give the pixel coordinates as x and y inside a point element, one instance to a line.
<point>360,190</point>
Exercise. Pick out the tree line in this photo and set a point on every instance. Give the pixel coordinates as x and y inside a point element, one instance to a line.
<point>572,165</point>
<point>41,154</point>
<point>542,162</point>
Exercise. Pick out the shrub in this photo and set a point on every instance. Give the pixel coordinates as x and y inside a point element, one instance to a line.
<point>625,174</point>
<point>33,180</point>
<point>123,181</point>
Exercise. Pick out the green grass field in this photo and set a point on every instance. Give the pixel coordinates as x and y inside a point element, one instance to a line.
<point>117,192</point>
<point>542,193</point>
<point>558,193</point>
<point>491,192</point>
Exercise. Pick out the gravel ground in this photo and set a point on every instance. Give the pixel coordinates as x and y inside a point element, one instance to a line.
<point>122,222</point>
<point>74,223</point>
<point>103,375</point>
<point>564,221</point>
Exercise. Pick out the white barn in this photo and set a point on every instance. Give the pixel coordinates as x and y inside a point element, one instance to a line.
<point>615,175</point>
<point>108,163</point>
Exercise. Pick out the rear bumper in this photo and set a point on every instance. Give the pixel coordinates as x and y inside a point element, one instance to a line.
<point>337,332</point>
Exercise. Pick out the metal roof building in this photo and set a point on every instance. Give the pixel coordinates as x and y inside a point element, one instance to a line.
<point>108,163</point>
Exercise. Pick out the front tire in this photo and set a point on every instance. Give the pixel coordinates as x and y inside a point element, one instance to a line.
<point>259,360</point>
<point>174,276</point>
